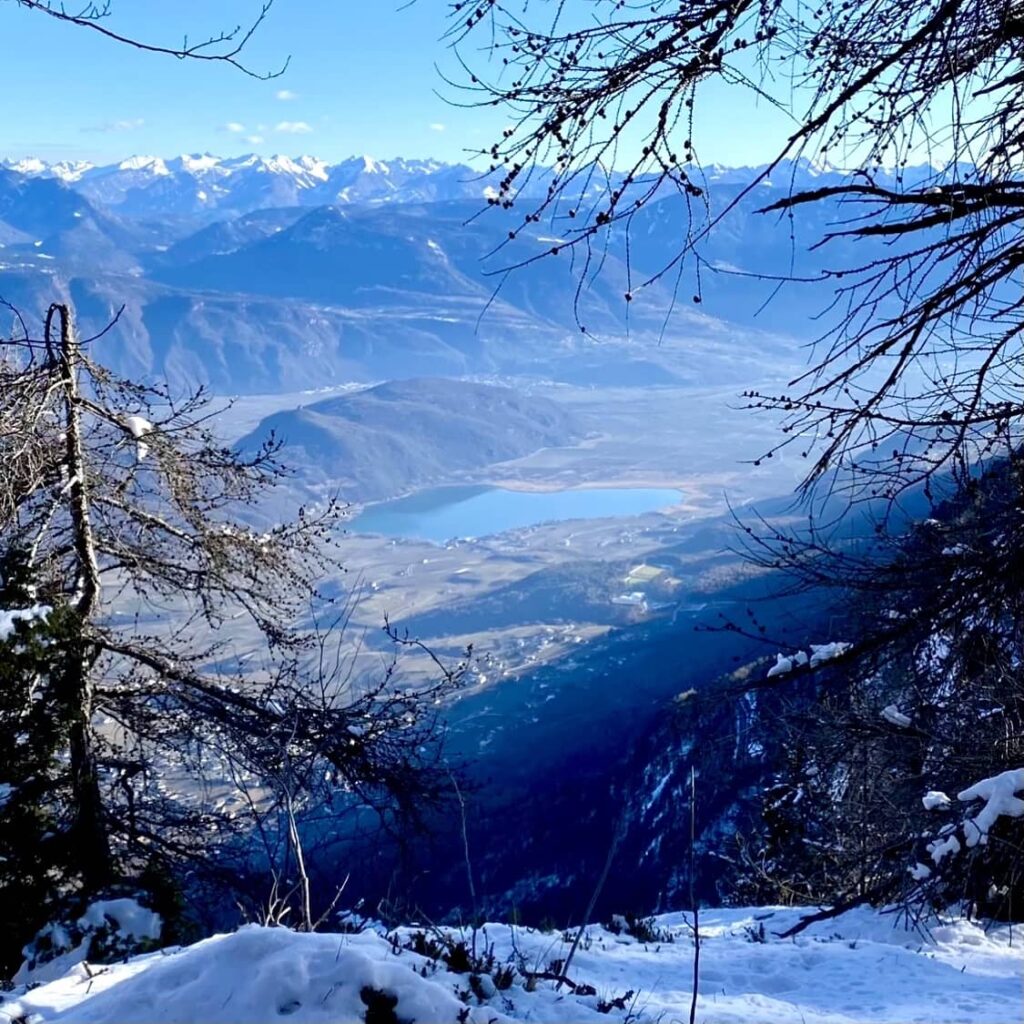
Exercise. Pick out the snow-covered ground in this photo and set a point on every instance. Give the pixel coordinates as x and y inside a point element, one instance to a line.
<point>858,967</point>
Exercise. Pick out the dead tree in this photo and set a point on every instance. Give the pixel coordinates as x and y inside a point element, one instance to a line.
<point>173,631</point>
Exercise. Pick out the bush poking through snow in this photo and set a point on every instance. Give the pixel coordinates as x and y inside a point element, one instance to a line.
<point>643,929</point>
<point>108,931</point>
<point>380,1006</point>
<point>266,975</point>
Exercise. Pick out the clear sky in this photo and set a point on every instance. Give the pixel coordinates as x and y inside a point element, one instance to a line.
<point>363,78</point>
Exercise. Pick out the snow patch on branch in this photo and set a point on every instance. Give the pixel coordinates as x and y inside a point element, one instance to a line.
<point>826,652</point>
<point>139,427</point>
<point>894,716</point>
<point>1001,801</point>
<point>999,793</point>
<point>8,618</point>
<point>941,848</point>
<point>820,653</point>
<point>784,664</point>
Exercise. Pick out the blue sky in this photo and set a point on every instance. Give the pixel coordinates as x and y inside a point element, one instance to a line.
<point>363,78</point>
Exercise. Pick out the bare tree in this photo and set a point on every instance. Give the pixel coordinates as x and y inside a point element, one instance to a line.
<point>173,630</point>
<point>919,369</point>
<point>915,386</point>
<point>927,699</point>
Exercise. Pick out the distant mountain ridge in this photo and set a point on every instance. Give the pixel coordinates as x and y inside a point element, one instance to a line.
<point>405,434</point>
<point>210,187</point>
<point>252,274</point>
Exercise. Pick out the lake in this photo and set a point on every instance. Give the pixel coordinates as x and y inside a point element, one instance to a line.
<point>442,513</point>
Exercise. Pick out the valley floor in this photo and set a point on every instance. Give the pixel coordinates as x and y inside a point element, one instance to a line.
<point>862,967</point>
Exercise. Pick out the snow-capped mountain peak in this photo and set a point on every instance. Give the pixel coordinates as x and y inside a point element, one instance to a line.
<point>30,165</point>
<point>279,164</point>
<point>207,187</point>
<point>33,167</point>
<point>198,163</point>
<point>70,170</point>
<point>152,164</point>
<point>314,166</point>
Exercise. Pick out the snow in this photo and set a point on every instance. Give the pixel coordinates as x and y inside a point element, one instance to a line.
<point>70,170</point>
<point>10,616</point>
<point>66,170</point>
<point>314,167</point>
<point>894,716</point>
<point>998,793</point>
<point>785,664</point>
<point>782,667</point>
<point>826,652</point>
<point>279,164</point>
<point>152,164</point>
<point>658,790</point>
<point>6,790</point>
<point>940,848</point>
<point>134,921</point>
<point>120,921</point>
<point>935,800</point>
<point>199,163</point>
<point>858,967</point>
<point>30,165</point>
<point>371,166</point>
<point>139,427</point>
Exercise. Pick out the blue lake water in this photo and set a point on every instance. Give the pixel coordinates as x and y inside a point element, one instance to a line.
<point>442,513</point>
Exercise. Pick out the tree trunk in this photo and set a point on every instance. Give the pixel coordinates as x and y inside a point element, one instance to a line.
<point>89,830</point>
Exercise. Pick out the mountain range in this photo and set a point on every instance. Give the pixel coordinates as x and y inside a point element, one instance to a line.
<point>203,187</point>
<point>207,187</point>
<point>257,275</point>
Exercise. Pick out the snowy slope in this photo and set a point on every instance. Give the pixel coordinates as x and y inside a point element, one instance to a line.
<point>855,968</point>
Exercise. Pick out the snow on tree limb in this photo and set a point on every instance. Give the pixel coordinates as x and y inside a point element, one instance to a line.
<point>999,792</point>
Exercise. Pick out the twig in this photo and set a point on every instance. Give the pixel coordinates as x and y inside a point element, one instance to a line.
<point>616,839</point>
<point>693,898</point>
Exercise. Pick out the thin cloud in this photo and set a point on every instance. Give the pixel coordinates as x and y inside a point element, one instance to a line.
<point>254,140</point>
<point>286,95</point>
<point>437,127</point>
<point>293,127</point>
<point>235,127</point>
<point>128,125</point>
